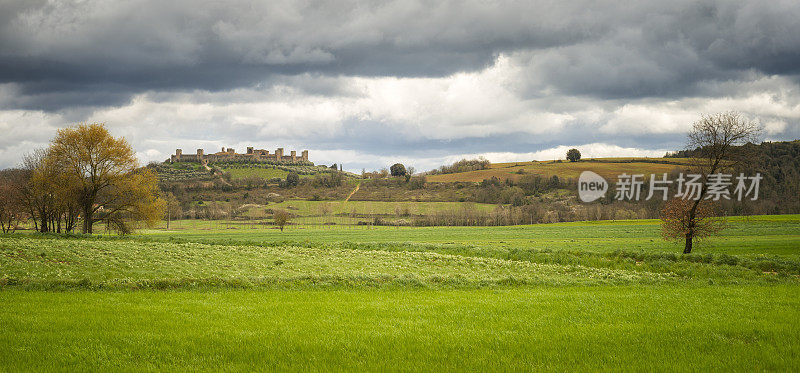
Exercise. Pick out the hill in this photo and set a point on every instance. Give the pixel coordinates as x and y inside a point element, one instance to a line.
<point>529,191</point>
<point>270,171</point>
<point>606,167</point>
<point>193,171</point>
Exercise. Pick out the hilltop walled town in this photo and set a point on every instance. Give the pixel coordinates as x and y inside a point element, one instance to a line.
<point>230,155</point>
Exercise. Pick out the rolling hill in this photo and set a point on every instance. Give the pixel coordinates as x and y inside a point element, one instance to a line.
<point>606,167</point>
<point>192,171</point>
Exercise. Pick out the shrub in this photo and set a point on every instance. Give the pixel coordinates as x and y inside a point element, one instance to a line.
<point>417,182</point>
<point>280,217</point>
<point>292,179</point>
<point>463,165</point>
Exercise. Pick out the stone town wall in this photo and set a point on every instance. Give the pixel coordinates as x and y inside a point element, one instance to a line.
<point>230,155</point>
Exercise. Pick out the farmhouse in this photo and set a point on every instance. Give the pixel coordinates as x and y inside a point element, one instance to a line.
<point>230,155</point>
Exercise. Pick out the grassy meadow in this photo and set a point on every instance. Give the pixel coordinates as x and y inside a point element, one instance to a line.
<point>748,236</point>
<point>339,212</point>
<point>315,208</point>
<point>567,296</point>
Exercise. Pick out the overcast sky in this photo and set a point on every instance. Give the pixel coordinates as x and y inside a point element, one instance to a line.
<point>367,84</point>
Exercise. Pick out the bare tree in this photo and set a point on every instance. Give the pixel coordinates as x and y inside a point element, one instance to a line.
<point>172,207</point>
<point>38,192</point>
<point>12,208</point>
<point>715,141</point>
<point>715,145</point>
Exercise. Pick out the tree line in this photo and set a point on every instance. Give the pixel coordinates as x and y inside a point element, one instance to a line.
<point>84,177</point>
<point>463,165</point>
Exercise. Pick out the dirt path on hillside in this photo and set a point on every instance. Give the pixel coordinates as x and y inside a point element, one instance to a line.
<point>220,177</point>
<point>353,192</point>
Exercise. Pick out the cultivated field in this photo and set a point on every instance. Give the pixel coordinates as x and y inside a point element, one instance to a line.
<point>308,213</point>
<point>609,168</point>
<point>567,296</point>
<point>753,235</point>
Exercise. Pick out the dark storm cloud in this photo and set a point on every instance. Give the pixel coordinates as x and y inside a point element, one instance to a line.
<point>154,45</point>
<point>675,51</point>
<point>598,49</point>
<point>379,138</point>
<point>514,77</point>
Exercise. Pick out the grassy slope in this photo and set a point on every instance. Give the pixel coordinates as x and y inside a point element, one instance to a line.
<point>264,173</point>
<point>56,263</point>
<point>191,170</point>
<point>609,168</point>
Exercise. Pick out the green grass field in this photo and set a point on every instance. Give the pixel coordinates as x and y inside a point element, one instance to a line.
<point>754,235</point>
<point>661,328</point>
<point>568,296</point>
<point>305,212</point>
<point>307,208</point>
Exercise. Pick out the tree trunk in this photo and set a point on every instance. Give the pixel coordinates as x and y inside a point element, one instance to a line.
<point>69,220</point>
<point>43,227</point>
<point>688,248</point>
<point>87,219</point>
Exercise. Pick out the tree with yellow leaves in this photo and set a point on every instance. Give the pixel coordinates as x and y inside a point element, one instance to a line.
<point>105,176</point>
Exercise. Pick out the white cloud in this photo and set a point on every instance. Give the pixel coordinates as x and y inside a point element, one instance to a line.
<point>594,150</point>
<point>649,118</point>
<point>428,116</point>
<point>775,126</point>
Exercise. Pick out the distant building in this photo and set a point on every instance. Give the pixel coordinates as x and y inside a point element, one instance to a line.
<point>230,155</point>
